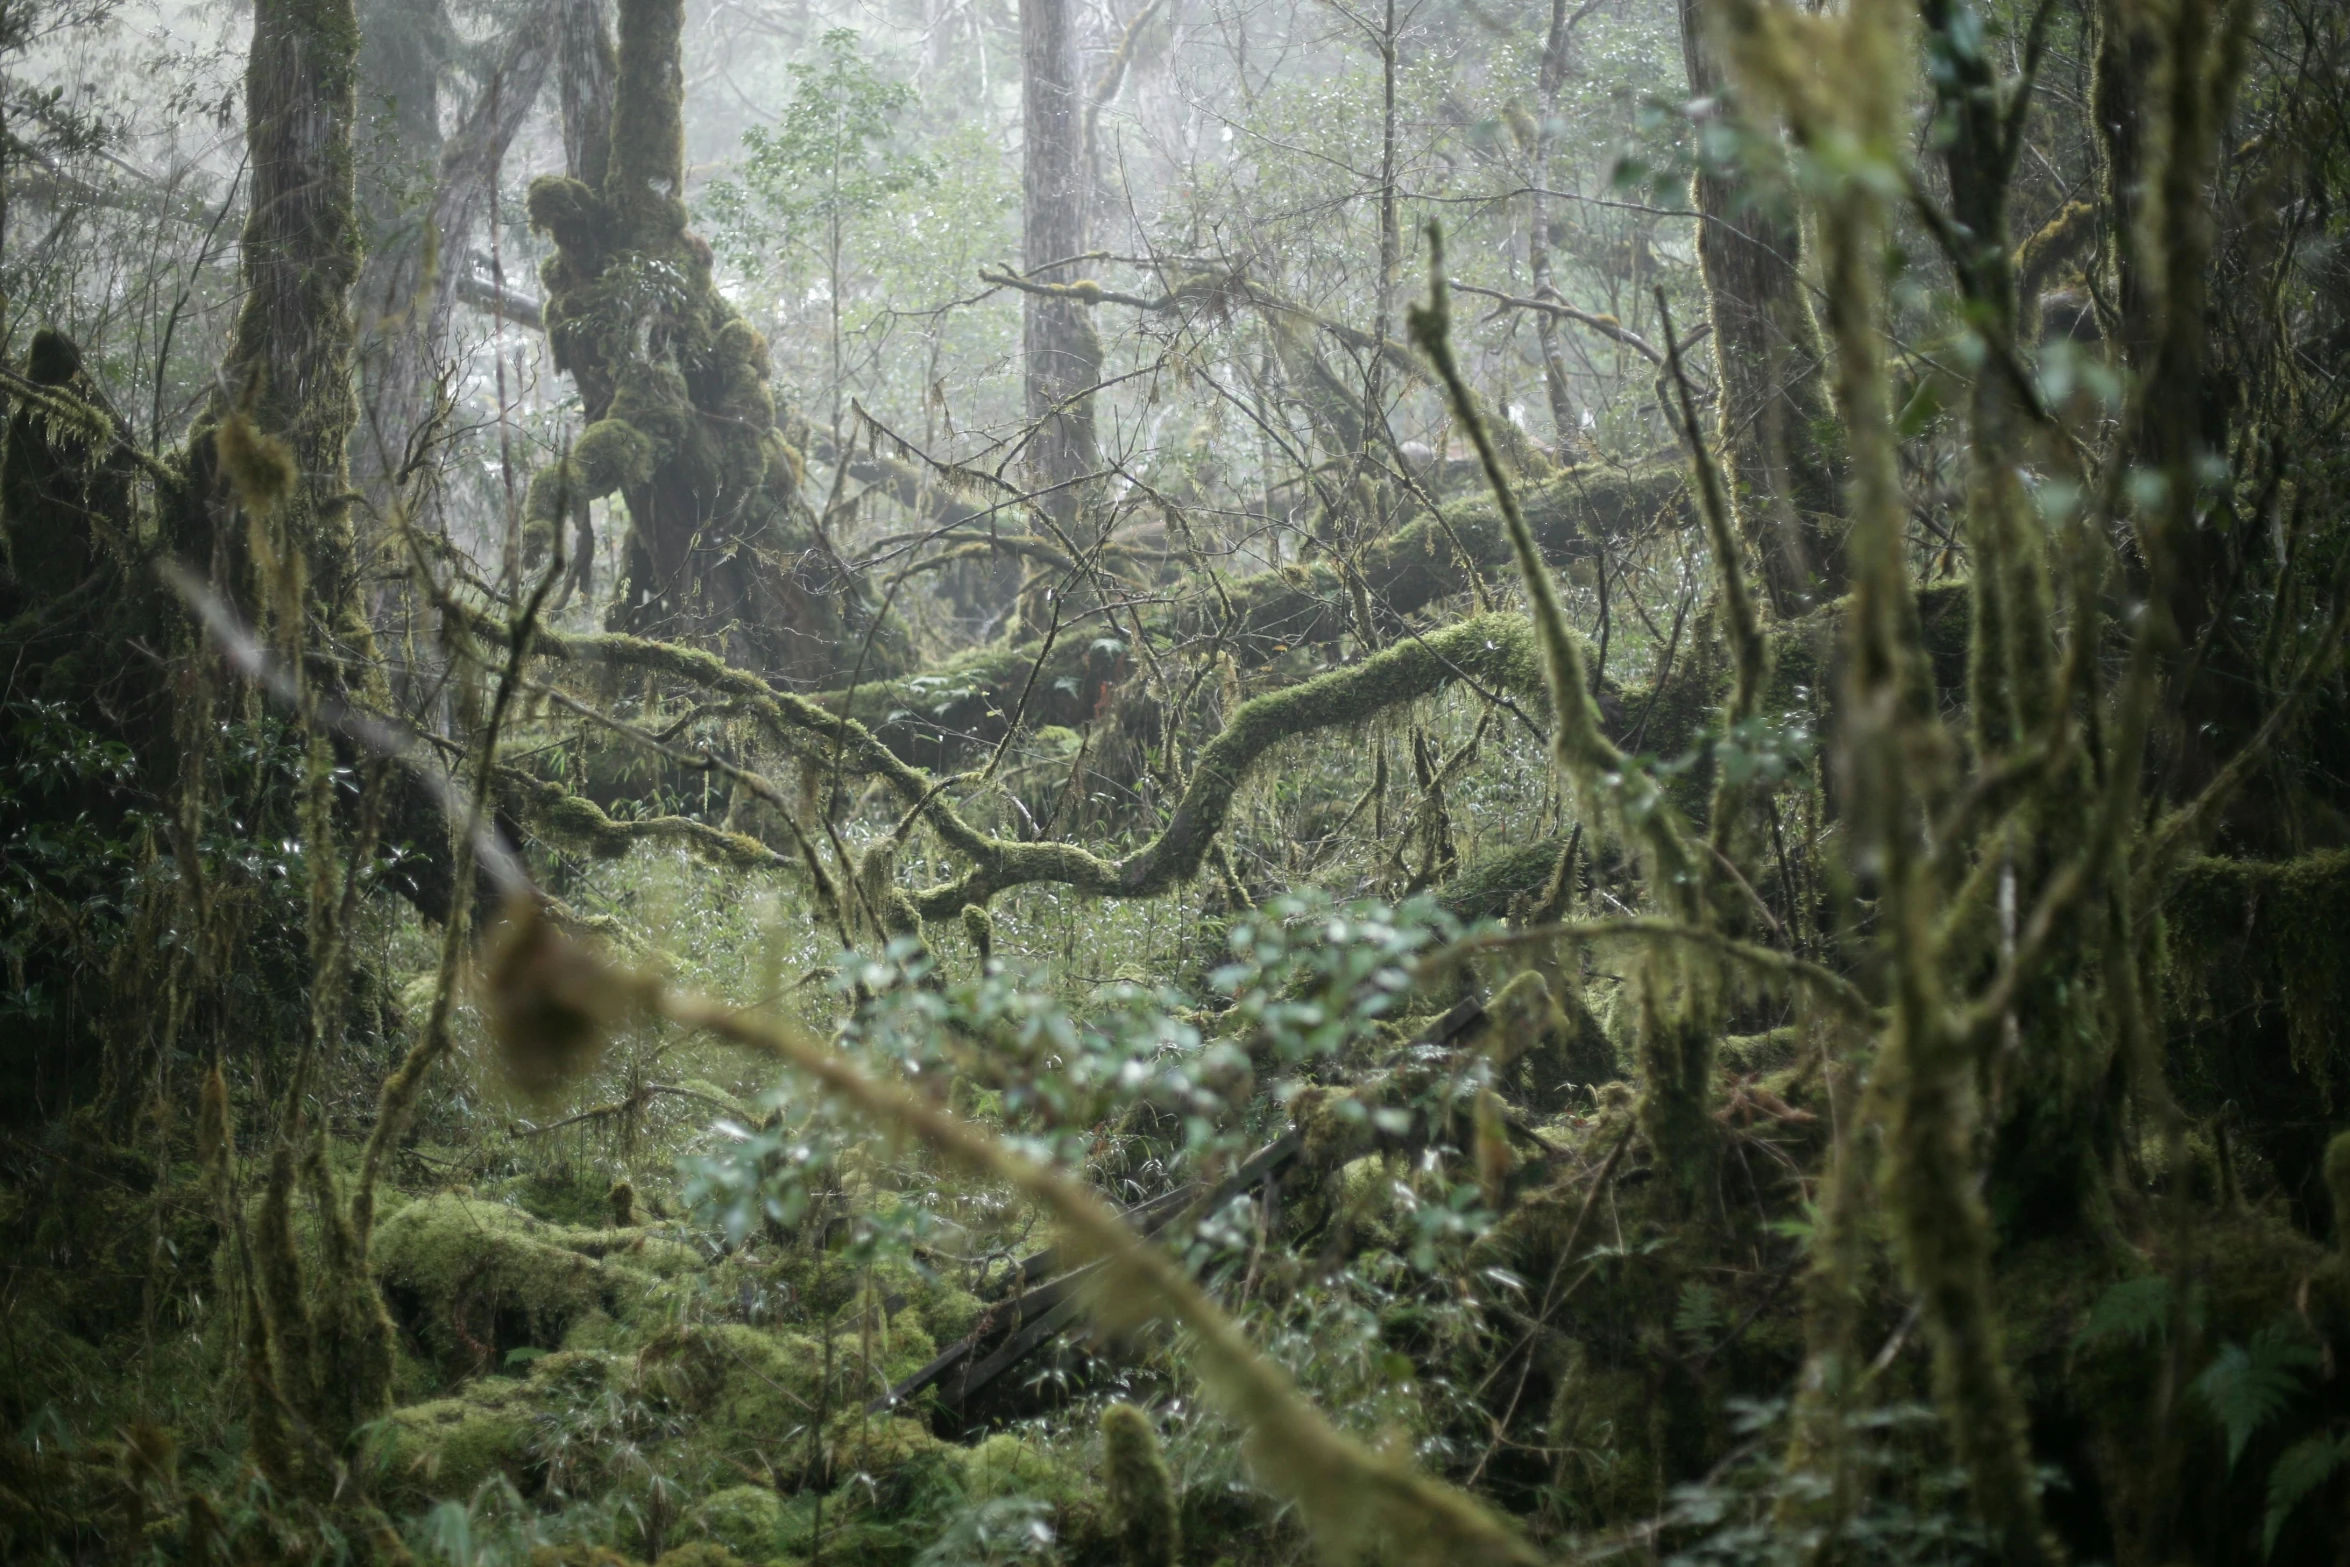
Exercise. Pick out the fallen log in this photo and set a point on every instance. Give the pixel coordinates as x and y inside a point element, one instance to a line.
<point>1015,1329</point>
<point>1010,1332</point>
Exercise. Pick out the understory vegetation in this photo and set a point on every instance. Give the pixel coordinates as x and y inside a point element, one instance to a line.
<point>1174,781</point>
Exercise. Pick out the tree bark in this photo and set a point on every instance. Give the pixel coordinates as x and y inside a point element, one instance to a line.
<point>290,359</point>
<point>1541,236</point>
<point>1773,412</point>
<point>411,287</point>
<point>585,71</point>
<point>1061,353</point>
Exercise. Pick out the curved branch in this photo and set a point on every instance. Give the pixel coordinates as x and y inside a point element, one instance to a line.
<point>1493,650</point>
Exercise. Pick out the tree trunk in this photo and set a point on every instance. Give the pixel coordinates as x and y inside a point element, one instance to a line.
<point>674,383</point>
<point>1773,412</point>
<point>291,356</point>
<point>412,285</point>
<point>585,71</point>
<point>1062,354</point>
<point>1541,235</point>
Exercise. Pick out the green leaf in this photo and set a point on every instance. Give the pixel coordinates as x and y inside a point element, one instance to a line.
<point>2247,1386</point>
<point>1699,1312</point>
<point>2299,1470</point>
<point>2135,1309</point>
<point>1923,407</point>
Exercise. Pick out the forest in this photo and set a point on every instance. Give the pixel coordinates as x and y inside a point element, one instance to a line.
<point>925,783</point>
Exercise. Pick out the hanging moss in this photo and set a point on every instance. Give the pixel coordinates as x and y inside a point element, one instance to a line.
<point>981,931</point>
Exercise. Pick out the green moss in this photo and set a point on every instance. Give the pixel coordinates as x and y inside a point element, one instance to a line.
<point>1140,1493</point>
<point>1547,1048</point>
<point>743,1521</point>
<point>1755,1054</point>
<point>472,1279</point>
<point>1492,882</point>
<point>576,1200</point>
<point>945,1311</point>
<point>752,1396</point>
<point>1675,1045</point>
<point>860,1444</point>
<point>450,1446</point>
<point>1006,1464</point>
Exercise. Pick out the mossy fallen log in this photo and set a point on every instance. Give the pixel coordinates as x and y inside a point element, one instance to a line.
<point>932,716</point>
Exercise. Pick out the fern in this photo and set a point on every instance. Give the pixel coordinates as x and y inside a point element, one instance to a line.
<point>2299,1470</point>
<point>2247,1386</point>
<point>1699,1313</point>
<point>2134,1309</point>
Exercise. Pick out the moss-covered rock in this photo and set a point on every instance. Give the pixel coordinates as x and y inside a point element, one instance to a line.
<point>742,1521</point>
<point>473,1280</point>
<point>449,1447</point>
<point>751,1397</point>
<point>1007,1464</point>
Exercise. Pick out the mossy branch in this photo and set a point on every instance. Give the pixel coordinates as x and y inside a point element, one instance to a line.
<point>1582,748</point>
<point>1493,650</point>
<point>1839,993</point>
<point>1840,80</point>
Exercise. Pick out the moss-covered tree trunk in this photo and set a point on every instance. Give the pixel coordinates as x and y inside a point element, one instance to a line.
<point>2054,1120</point>
<point>289,365</point>
<point>721,550</point>
<point>1541,237</point>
